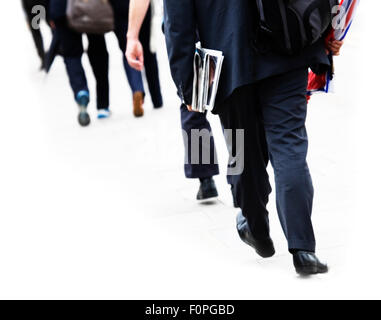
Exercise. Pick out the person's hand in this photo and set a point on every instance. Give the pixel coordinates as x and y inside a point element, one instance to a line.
<point>190,109</point>
<point>52,24</point>
<point>335,46</point>
<point>134,54</point>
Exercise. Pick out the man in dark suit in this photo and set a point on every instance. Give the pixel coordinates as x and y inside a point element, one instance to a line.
<point>137,58</point>
<point>263,94</point>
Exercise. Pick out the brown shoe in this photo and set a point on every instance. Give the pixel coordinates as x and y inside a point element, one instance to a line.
<point>138,101</point>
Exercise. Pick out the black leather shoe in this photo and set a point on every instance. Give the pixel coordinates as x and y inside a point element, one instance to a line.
<point>207,189</point>
<point>306,263</point>
<point>265,248</point>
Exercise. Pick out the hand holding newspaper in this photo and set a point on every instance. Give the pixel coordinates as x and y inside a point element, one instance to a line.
<point>207,67</point>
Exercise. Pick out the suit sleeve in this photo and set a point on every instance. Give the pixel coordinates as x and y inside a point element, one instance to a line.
<point>180,35</point>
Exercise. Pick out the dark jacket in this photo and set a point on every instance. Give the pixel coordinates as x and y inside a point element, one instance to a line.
<point>228,26</point>
<point>57,9</point>
<point>29,4</point>
<point>121,8</point>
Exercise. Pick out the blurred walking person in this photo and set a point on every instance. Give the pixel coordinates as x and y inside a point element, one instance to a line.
<point>121,12</point>
<point>72,51</point>
<point>139,58</point>
<point>33,16</point>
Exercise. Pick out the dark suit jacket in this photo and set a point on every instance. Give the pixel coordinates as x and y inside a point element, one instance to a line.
<point>226,25</point>
<point>57,9</point>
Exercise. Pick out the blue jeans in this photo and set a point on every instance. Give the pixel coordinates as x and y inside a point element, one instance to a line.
<point>150,62</point>
<point>72,47</point>
<point>134,77</point>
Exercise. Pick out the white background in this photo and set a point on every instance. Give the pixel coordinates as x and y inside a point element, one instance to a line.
<point>105,212</point>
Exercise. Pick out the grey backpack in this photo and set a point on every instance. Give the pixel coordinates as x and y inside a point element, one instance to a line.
<point>90,16</point>
<point>288,26</point>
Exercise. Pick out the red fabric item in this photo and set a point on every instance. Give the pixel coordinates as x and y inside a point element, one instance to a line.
<point>316,82</point>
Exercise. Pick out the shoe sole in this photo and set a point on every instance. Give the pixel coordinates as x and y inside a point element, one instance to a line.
<point>308,271</point>
<point>256,250</point>
<point>205,200</point>
<point>209,196</point>
<point>138,113</point>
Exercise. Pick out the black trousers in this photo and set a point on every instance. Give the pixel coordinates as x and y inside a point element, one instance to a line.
<point>150,63</point>
<point>36,33</point>
<point>134,77</point>
<point>197,121</point>
<point>72,48</point>
<point>272,114</point>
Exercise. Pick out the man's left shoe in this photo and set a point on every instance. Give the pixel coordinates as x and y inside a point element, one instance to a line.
<point>264,247</point>
<point>306,263</point>
<point>207,189</point>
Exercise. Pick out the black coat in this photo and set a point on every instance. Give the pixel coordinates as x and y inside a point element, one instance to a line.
<point>57,9</point>
<point>228,26</point>
<point>121,8</point>
<point>29,4</point>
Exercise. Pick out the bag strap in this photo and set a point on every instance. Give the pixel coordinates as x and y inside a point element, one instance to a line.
<point>261,11</point>
<point>282,8</point>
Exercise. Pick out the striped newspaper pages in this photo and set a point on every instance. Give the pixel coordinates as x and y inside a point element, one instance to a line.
<point>207,66</point>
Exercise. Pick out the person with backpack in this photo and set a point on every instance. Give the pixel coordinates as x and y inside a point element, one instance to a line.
<point>72,51</point>
<point>28,6</point>
<point>268,45</point>
<point>136,54</point>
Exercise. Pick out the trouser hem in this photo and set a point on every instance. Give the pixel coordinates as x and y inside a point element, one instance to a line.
<point>302,245</point>
<point>197,173</point>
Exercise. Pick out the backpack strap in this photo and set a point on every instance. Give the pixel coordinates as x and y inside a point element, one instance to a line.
<point>282,8</point>
<point>261,11</point>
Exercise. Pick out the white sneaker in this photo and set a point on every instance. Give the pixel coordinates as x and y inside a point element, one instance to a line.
<point>104,114</point>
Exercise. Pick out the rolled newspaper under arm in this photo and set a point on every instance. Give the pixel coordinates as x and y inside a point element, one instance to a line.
<point>207,66</point>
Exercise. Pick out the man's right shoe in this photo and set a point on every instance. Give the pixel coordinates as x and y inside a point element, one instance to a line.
<point>104,114</point>
<point>138,101</point>
<point>207,189</point>
<point>264,248</point>
<point>306,263</point>
<point>83,99</point>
